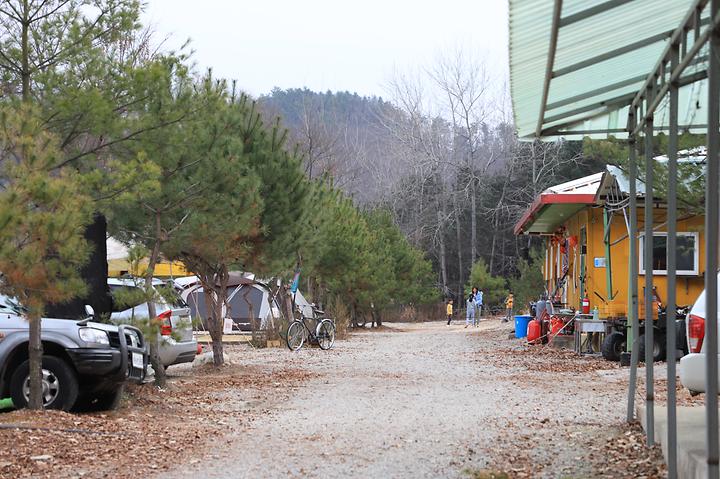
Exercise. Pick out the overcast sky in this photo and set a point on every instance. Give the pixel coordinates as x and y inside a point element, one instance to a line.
<point>329,45</point>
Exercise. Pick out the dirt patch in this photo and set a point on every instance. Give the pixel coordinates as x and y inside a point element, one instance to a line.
<point>151,431</point>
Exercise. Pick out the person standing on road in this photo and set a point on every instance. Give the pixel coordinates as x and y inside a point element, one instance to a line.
<point>470,305</point>
<point>449,310</point>
<point>508,308</point>
<point>478,305</point>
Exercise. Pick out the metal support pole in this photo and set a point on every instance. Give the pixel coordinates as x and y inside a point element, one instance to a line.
<point>711,247</point>
<point>608,257</point>
<point>648,263</point>
<point>670,307</point>
<point>633,309</point>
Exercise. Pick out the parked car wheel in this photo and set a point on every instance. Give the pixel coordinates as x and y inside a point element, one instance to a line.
<point>59,384</point>
<point>613,346</point>
<point>658,347</point>
<point>681,337</point>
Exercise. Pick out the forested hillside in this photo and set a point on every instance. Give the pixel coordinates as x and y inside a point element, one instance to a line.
<point>441,176</point>
<point>341,135</point>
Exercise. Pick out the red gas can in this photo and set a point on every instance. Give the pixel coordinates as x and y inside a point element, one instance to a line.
<point>556,325</point>
<point>534,332</point>
<point>585,305</point>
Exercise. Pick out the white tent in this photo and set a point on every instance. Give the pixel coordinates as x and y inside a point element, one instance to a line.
<point>247,300</point>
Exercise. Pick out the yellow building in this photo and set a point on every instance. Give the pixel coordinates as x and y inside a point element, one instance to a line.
<point>164,269</point>
<point>585,223</point>
<point>118,264</point>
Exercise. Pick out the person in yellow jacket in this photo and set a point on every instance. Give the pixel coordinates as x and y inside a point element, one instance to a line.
<point>449,310</point>
<point>508,307</point>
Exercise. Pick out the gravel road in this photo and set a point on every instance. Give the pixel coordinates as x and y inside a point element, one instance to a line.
<point>425,400</point>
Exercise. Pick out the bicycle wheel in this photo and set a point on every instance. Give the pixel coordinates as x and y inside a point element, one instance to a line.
<point>295,336</point>
<point>326,334</point>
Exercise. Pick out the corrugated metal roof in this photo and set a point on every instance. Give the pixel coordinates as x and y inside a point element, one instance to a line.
<point>558,203</point>
<point>601,60</point>
<point>585,185</point>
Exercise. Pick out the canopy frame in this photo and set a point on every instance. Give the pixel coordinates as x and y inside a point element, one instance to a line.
<point>698,30</point>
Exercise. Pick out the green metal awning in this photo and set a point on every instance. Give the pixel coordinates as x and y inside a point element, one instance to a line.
<point>576,65</point>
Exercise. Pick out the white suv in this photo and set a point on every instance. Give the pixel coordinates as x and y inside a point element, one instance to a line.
<point>692,366</point>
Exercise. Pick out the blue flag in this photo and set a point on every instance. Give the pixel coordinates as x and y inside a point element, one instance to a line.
<point>295,282</point>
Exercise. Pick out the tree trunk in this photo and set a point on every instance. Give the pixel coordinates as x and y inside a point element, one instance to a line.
<point>287,303</point>
<point>215,323</point>
<point>25,52</point>
<point>377,318</point>
<point>35,351</point>
<point>222,278</point>
<point>458,231</point>
<point>492,250</point>
<point>496,222</point>
<point>441,238</point>
<point>473,222</point>
<point>154,339</point>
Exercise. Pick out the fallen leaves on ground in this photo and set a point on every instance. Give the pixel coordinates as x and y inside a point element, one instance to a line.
<point>518,355</point>
<point>567,437</point>
<point>682,395</point>
<point>378,329</point>
<point>622,454</point>
<point>151,431</point>
<point>626,455</point>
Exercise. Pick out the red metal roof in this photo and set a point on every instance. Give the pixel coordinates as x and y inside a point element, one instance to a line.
<point>551,199</point>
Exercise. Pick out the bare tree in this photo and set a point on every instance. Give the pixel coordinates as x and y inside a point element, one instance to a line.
<point>427,140</point>
<point>465,83</point>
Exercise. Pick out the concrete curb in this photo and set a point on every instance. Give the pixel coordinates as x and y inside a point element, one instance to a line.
<point>691,438</point>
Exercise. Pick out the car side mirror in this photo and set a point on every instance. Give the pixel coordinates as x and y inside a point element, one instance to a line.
<point>89,311</point>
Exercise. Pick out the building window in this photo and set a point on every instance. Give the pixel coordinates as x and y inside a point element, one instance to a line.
<point>686,254</point>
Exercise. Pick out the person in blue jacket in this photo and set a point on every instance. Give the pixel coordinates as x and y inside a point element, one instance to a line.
<point>478,305</point>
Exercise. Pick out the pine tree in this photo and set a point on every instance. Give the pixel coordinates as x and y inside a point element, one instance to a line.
<point>88,69</point>
<point>42,215</point>
<point>175,157</point>
<point>225,221</point>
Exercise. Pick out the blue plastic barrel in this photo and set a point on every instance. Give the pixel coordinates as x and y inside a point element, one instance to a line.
<point>521,325</point>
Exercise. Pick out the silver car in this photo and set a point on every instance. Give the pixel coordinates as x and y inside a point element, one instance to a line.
<point>84,365</point>
<point>176,342</point>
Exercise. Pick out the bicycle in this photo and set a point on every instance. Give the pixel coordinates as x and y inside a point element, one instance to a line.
<point>298,332</point>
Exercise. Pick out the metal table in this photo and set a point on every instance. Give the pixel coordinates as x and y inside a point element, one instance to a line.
<point>594,331</point>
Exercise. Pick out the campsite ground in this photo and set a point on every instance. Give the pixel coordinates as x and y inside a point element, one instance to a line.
<point>410,400</point>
